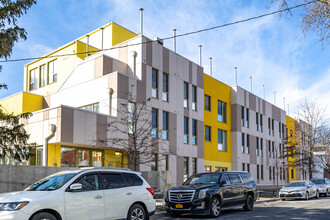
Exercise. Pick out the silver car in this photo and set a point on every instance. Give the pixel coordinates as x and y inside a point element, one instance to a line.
<point>299,190</point>
<point>323,184</point>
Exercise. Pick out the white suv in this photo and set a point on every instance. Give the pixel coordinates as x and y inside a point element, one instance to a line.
<point>91,193</point>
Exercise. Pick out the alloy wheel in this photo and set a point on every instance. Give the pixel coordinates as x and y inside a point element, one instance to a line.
<point>216,207</point>
<point>137,214</point>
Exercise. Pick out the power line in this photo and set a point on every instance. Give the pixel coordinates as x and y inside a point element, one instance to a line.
<point>167,38</point>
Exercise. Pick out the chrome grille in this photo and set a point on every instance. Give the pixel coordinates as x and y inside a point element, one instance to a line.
<point>181,196</point>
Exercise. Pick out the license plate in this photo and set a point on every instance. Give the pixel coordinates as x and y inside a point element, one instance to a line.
<point>178,206</point>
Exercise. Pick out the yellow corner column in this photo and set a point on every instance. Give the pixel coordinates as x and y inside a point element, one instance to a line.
<point>213,157</point>
<point>290,124</point>
<point>54,155</point>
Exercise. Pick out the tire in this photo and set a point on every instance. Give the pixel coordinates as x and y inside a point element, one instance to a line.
<point>326,194</point>
<point>136,212</point>
<point>43,216</point>
<point>282,199</point>
<point>215,207</point>
<point>249,203</point>
<point>307,196</point>
<point>317,196</point>
<point>175,214</point>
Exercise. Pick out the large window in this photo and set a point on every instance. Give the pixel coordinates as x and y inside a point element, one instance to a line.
<point>185,94</point>
<point>194,131</point>
<point>269,149</point>
<point>165,87</point>
<point>247,149</point>
<point>154,131</point>
<point>261,128</point>
<point>222,111</point>
<point>272,127</point>
<point>52,71</point>
<point>43,76</point>
<point>269,126</point>
<point>185,168</point>
<point>165,125</point>
<point>258,170</point>
<point>77,157</point>
<point>154,90</point>
<point>154,162</point>
<point>273,149</point>
<point>262,172</point>
<point>247,118</point>
<point>222,140</point>
<point>257,146</point>
<point>194,165</point>
<point>207,133</point>
<point>257,121</point>
<point>83,158</point>
<point>186,130</point>
<point>92,107</point>
<point>261,147</point>
<point>243,142</point>
<point>194,98</point>
<point>34,79</point>
<point>279,129</point>
<point>242,115</point>
<point>207,103</point>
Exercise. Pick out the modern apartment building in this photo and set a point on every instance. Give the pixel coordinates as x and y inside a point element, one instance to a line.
<point>75,97</point>
<point>217,122</point>
<point>257,130</point>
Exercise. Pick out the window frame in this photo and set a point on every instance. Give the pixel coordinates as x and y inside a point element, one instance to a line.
<point>154,81</point>
<point>207,107</point>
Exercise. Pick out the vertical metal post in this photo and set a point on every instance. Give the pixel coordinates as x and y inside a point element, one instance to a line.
<point>87,46</point>
<point>235,68</point>
<point>174,40</point>
<point>284,104</point>
<point>141,21</point>
<point>210,66</point>
<point>200,55</point>
<point>263,91</point>
<point>251,84</point>
<point>102,32</point>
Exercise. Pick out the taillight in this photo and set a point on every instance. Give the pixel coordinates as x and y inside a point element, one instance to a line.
<point>151,190</point>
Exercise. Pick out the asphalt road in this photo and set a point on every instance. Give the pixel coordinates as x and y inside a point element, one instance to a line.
<point>293,209</point>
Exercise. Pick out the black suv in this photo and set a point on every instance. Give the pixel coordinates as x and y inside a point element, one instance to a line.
<point>208,193</point>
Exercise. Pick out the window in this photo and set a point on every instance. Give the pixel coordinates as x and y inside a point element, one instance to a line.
<point>68,157</point>
<point>165,125</point>
<point>194,98</point>
<point>234,178</point>
<point>185,94</point>
<point>165,162</point>
<point>269,126</point>
<point>33,79</point>
<point>273,150</point>
<point>257,146</point>
<point>207,133</point>
<point>272,127</point>
<point>194,131</point>
<point>247,149</point>
<point>247,117</point>
<point>154,131</point>
<point>269,150</point>
<point>273,173</point>
<point>165,87</point>
<point>115,180</point>
<point>242,115</point>
<point>83,158</point>
<point>225,179</point>
<point>92,107</point>
<point>207,103</point>
<point>248,167</point>
<point>261,130</point>
<point>222,140</point>
<point>292,174</point>
<point>185,168</point>
<point>207,169</point>
<point>261,147</point>
<point>194,165</point>
<point>221,111</point>
<point>258,176</point>
<point>257,121</point>
<point>243,142</point>
<point>89,182</point>
<point>283,131</point>
<point>97,158</point>
<point>281,173</point>
<point>131,107</point>
<point>243,166</point>
<point>279,129</point>
<point>186,130</point>
<point>154,90</point>
<point>270,172</point>
<point>154,162</point>
<point>221,169</point>
<point>43,75</point>
<point>52,72</point>
<point>132,179</point>
<point>262,172</point>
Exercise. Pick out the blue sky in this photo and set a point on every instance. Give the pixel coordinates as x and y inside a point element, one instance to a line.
<point>272,50</point>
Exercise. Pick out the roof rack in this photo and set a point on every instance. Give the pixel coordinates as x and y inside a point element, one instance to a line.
<point>110,168</point>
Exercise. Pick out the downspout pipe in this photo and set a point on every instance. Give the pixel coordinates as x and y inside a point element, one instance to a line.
<point>52,129</point>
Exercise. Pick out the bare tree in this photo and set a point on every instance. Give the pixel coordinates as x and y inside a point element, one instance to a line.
<point>314,17</point>
<point>133,132</point>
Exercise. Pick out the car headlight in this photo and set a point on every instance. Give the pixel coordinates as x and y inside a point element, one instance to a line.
<point>12,206</point>
<point>202,193</point>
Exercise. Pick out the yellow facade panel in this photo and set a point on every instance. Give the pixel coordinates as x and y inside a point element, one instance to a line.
<point>22,103</point>
<point>290,124</point>
<point>54,155</point>
<point>120,34</point>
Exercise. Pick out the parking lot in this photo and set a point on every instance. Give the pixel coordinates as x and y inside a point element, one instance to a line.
<point>292,209</point>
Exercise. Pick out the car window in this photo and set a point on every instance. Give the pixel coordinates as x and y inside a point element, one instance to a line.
<point>247,177</point>
<point>113,180</point>
<point>318,181</point>
<point>89,182</point>
<point>132,179</point>
<point>225,179</point>
<point>234,178</point>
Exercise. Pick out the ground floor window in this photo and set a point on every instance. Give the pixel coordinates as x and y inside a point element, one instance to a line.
<point>221,169</point>
<point>77,157</point>
<point>207,169</point>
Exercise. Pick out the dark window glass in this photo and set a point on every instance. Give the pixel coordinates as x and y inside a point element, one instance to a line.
<point>113,180</point>
<point>186,125</point>
<point>194,127</point>
<point>132,179</point>
<point>207,103</point>
<point>165,82</point>
<point>89,182</point>
<point>246,177</point>
<point>194,94</point>
<point>234,178</point>
<point>185,90</point>
<point>165,120</point>
<point>207,133</point>
<point>225,179</point>
<point>154,118</point>
<point>154,79</point>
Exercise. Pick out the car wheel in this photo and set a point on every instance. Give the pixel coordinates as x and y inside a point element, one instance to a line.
<point>307,196</point>
<point>317,196</point>
<point>215,207</point>
<point>249,203</point>
<point>326,194</point>
<point>136,212</point>
<point>282,199</point>
<point>43,216</point>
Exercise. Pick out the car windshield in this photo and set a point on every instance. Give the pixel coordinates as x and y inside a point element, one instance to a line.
<point>296,184</point>
<point>52,182</point>
<point>206,178</point>
<point>318,182</point>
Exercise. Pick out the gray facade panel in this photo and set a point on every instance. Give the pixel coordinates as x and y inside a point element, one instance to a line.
<point>101,129</point>
<point>67,125</point>
<point>253,144</point>
<point>263,107</point>
<point>276,113</point>
<point>200,77</point>
<point>236,118</point>
<point>252,102</point>
<point>149,54</point>
<point>200,139</point>
<point>190,72</point>
<point>172,133</point>
<point>186,112</point>
<point>142,85</point>
<point>179,170</point>
<point>123,92</point>
<point>166,60</point>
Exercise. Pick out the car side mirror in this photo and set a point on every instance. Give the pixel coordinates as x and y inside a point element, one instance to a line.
<point>222,183</point>
<point>75,186</point>
<point>309,186</point>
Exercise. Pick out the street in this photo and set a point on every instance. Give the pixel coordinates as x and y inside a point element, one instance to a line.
<point>294,209</point>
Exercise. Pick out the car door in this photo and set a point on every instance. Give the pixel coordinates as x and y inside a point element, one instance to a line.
<point>238,188</point>
<point>226,188</point>
<point>86,203</point>
<point>117,195</point>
